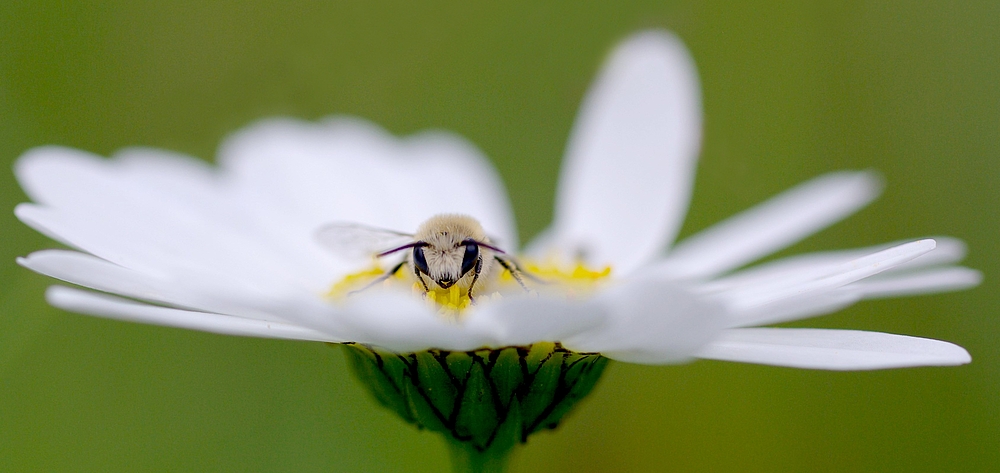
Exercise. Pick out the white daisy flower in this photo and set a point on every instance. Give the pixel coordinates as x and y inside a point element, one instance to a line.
<point>165,239</point>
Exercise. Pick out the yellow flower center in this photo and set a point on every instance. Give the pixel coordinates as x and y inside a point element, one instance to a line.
<point>574,280</point>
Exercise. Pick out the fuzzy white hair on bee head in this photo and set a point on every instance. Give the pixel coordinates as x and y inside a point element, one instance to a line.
<point>451,251</point>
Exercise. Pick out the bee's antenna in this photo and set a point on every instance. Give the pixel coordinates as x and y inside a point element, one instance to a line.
<point>401,248</point>
<point>491,247</point>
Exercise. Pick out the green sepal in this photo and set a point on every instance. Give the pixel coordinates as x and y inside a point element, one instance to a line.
<point>483,401</point>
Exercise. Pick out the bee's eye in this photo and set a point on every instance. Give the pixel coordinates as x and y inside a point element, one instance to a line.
<point>470,258</point>
<point>419,261</point>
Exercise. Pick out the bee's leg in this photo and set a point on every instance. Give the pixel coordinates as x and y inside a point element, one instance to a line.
<point>513,270</point>
<point>381,278</point>
<point>475,277</point>
<point>420,278</point>
<point>521,272</point>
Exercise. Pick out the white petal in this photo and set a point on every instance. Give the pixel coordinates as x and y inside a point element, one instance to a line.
<point>809,266</point>
<point>397,321</point>
<point>794,308</point>
<point>172,175</point>
<point>922,282</point>
<point>651,322</point>
<point>518,320</point>
<point>948,250</point>
<point>86,302</point>
<point>771,226</point>
<point>831,349</point>
<point>200,294</point>
<point>841,275</point>
<point>792,299</point>
<point>168,170</point>
<point>304,175</point>
<point>68,178</point>
<point>153,211</point>
<point>630,162</point>
<point>168,249</point>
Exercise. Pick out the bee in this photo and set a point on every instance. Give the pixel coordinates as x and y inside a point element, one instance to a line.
<point>447,250</point>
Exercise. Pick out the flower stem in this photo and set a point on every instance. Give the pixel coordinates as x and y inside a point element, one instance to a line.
<point>467,459</point>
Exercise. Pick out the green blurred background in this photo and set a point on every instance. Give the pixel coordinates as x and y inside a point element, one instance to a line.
<point>791,91</point>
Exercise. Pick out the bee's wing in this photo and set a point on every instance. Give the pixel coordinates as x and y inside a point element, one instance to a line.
<point>355,240</point>
<point>497,241</point>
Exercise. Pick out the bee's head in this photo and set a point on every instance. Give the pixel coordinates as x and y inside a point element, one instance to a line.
<point>448,248</point>
<point>446,261</point>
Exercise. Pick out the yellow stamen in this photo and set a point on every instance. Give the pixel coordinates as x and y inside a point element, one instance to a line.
<point>450,302</point>
<point>578,273</point>
<point>354,281</point>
